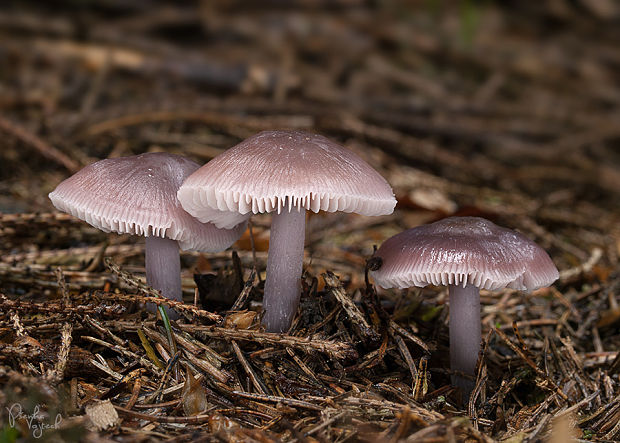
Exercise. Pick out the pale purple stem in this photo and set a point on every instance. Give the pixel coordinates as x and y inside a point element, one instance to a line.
<point>163,269</point>
<point>284,267</point>
<point>464,333</point>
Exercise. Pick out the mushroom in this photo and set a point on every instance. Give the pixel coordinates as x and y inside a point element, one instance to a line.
<point>137,195</point>
<point>285,173</point>
<point>466,254</point>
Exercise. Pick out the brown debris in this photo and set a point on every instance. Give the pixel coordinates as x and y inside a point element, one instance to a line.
<point>507,111</point>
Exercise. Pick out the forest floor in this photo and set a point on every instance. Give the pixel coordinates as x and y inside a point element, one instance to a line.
<point>507,112</point>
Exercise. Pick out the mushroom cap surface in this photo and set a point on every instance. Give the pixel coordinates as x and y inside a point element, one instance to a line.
<point>463,251</point>
<point>278,170</point>
<point>138,195</point>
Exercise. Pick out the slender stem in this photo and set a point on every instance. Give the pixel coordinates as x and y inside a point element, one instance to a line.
<point>464,333</point>
<point>163,268</point>
<point>284,267</point>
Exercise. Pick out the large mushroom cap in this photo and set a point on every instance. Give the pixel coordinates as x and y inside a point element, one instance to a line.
<point>276,170</point>
<point>137,195</point>
<point>461,251</point>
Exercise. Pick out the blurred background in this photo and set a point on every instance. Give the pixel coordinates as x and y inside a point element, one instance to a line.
<point>509,110</point>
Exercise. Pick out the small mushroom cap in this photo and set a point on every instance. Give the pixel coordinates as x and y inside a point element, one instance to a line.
<point>137,195</point>
<point>276,170</point>
<point>463,251</point>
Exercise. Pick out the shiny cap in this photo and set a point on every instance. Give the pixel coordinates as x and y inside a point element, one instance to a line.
<point>279,170</point>
<point>137,195</point>
<point>463,251</point>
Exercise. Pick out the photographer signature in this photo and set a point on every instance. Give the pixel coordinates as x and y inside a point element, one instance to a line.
<point>35,421</point>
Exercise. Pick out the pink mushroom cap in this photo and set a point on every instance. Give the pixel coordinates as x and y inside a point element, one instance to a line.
<point>138,195</point>
<point>277,170</point>
<point>463,251</point>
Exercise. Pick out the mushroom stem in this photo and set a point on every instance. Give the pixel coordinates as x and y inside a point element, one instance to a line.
<point>163,268</point>
<point>284,267</point>
<point>464,333</point>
